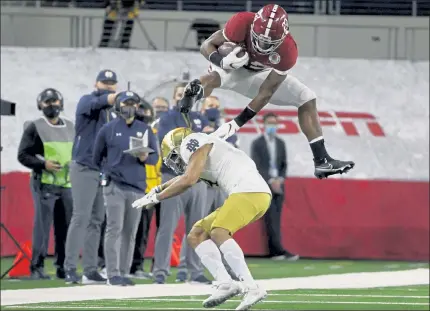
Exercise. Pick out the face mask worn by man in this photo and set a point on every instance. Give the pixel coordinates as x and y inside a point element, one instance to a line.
<point>51,111</point>
<point>213,114</point>
<point>159,114</point>
<point>127,112</point>
<point>271,130</point>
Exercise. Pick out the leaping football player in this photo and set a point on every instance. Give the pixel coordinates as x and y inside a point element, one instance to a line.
<point>261,74</point>
<point>198,156</point>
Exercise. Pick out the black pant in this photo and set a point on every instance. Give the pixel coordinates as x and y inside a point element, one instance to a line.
<point>52,204</point>
<point>141,240</point>
<point>272,219</point>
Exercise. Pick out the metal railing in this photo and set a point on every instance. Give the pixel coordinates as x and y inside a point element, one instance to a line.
<point>81,33</point>
<point>324,7</point>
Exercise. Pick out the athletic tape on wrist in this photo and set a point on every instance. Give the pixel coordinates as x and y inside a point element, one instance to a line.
<point>246,115</point>
<point>215,58</point>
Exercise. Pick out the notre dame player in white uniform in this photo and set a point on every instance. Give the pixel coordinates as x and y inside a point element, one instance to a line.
<point>198,156</point>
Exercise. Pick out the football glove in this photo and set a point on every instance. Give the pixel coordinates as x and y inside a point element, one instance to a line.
<point>226,130</point>
<point>147,201</point>
<point>231,61</point>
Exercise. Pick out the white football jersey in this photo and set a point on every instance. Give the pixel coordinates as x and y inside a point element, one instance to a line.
<point>227,167</point>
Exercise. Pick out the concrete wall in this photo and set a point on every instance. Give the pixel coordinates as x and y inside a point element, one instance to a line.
<point>321,36</point>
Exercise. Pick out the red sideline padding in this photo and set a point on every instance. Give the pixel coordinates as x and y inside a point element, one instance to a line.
<point>322,219</point>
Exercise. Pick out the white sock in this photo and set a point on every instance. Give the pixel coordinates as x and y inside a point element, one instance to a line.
<point>233,254</point>
<point>316,139</point>
<point>210,257</point>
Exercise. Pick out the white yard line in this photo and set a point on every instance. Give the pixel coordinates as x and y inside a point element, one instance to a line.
<point>56,307</point>
<point>353,295</point>
<point>97,292</point>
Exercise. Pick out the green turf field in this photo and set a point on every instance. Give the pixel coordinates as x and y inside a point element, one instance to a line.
<point>260,268</point>
<point>381,298</point>
<point>392,298</point>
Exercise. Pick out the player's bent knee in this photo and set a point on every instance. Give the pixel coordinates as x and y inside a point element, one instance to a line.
<point>220,235</point>
<point>196,236</point>
<point>308,97</point>
<point>309,105</point>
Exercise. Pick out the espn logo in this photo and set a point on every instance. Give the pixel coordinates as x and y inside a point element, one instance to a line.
<point>289,124</point>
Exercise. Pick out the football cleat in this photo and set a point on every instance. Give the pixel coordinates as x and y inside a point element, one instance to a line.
<point>222,293</point>
<point>251,297</point>
<point>193,92</point>
<point>331,167</point>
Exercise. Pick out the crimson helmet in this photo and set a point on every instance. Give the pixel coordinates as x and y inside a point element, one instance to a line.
<point>269,29</point>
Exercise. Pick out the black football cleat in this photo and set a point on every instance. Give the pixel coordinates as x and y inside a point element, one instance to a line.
<point>193,92</point>
<point>331,167</point>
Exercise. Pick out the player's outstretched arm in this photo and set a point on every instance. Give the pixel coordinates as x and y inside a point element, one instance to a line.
<point>211,44</point>
<point>191,176</point>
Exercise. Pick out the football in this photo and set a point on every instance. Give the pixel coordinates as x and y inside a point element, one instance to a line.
<point>227,47</point>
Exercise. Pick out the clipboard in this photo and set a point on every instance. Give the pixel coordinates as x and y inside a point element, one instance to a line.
<point>138,145</point>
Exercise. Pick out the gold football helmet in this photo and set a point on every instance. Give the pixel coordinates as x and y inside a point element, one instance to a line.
<point>170,149</point>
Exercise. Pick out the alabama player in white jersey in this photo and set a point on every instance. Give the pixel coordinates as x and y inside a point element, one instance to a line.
<point>198,156</point>
<point>261,74</point>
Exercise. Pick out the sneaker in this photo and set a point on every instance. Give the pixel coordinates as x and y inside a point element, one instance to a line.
<point>116,281</point>
<point>72,277</point>
<point>60,273</point>
<point>331,166</point>
<point>127,282</point>
<point>159,279</point>
<point>139,274</point>
<point>93,278</point>
<point>292,257</point>
<point>103,273</point>
<point>222,292</point>
<point>201,279</point>
<point>39,274</point>
<point>181,277</point>
<point>251,297</point>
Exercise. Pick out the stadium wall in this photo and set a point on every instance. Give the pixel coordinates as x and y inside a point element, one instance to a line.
<point>374,112</point>
<point>371,37</point>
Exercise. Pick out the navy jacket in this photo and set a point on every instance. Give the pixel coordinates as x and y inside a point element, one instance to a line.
<point>125,170</point>
<point>91,113</point>
<point>174,119</point>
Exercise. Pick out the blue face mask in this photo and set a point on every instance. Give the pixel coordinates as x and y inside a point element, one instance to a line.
<point>158,114</point>
<point>270,130</point>
<point>213,114</point>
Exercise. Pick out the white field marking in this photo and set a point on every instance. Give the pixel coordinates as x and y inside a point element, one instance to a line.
<point>333,281</point>
<point>199,300</point>
<point>353,295</point>
<point>292,301</point>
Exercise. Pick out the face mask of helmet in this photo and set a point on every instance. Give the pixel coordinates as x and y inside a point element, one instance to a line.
<point>175,163</point>
<point>213,114</point>
<point>264,45</point>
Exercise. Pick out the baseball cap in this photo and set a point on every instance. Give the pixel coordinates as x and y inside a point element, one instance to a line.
<point>128,96</point>
<point>106,75</point>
